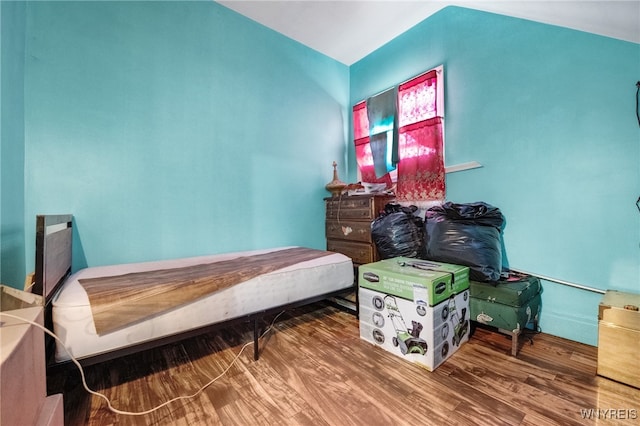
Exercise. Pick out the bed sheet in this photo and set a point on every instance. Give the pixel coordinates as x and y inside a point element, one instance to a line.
<point>73,321</point>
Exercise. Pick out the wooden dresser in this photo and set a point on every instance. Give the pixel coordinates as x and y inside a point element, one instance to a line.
<point>348,225</point>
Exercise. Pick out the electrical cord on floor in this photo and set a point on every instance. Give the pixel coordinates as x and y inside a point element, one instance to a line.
<point>140,413</point>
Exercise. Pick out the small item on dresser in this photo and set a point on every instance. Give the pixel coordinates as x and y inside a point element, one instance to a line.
<point>366,188</point>
<point>354,188</point>
<point>374,188</point>
<point>398,232</point>
<point>336,186</point>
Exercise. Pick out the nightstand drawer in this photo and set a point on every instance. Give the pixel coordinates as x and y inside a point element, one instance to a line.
<point>359,253</point>
<point>350,231</point>
<point>339,212</point>
<point>349,203</point>
<point>356,207</point>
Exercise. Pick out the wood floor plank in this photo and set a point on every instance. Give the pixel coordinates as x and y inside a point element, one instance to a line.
<point>308,417</point>
<point>435,408</point>
<point>262,398</point>
<point>284,399</point>
<point>315,370</point>
<point>537,419</point>
<point>534,393</point>
<point>479,356</point>
<point>481,401</point>
<point>486,416</point>
<point>526,398</point>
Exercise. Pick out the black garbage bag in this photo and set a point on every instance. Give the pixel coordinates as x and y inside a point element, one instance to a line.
<point>466,234</point>
<point>398,232</point>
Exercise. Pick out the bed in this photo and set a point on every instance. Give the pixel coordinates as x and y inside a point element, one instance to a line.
<point>105,312</point>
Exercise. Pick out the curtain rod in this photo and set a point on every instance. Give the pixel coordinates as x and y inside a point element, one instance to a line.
<point>437,69</point>
<point>555,280</point>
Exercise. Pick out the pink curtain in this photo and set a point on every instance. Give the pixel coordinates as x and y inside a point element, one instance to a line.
<point>421,167</point>
<point>421,148</point>
<point>417,99</point>
<point>360,121</point>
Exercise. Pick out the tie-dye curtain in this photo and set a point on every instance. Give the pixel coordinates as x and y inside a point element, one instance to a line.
<point>383,130</point>
<point>364,157</point>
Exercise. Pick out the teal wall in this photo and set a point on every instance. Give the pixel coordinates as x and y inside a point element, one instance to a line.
<point>174,129</point>
<point>550,114</point>
<point>181,128</point>
<point>12,226</point>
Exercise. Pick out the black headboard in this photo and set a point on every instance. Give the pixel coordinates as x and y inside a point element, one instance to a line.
<point>53,253</point>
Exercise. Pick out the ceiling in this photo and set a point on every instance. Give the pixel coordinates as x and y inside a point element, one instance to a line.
<point>348,30</point>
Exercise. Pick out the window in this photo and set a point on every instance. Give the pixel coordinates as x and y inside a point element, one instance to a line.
<point>417,165</point>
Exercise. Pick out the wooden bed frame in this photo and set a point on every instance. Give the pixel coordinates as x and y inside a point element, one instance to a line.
<point>54,234</point>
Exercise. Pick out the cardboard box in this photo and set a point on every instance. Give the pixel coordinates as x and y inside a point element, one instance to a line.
<point>413,330</point>
<point>414,279</point>
<point>619,337</point>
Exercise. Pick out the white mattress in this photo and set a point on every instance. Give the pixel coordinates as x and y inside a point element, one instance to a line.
<point>73,321</point>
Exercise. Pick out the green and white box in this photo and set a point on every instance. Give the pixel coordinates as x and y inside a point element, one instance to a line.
<point>413,330</point>
<point>414,279</point>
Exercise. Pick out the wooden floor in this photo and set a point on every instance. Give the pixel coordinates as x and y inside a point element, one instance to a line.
<point>315,370</point>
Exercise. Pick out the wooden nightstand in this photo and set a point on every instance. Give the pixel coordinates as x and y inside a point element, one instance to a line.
<point>348,230</point>
<point>348,225</point>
